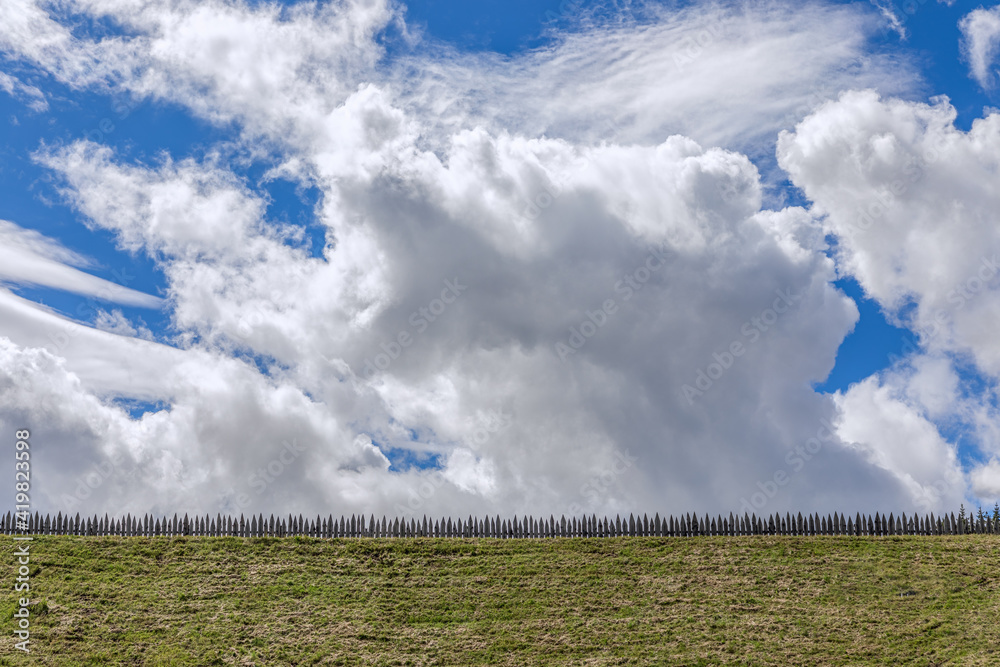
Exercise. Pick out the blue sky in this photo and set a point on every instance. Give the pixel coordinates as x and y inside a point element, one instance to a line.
<point>293,212</point>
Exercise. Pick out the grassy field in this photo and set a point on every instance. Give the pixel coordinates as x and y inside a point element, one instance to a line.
<point>625,601</point>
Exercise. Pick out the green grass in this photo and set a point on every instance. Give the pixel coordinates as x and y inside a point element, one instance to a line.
<point>625,601</point>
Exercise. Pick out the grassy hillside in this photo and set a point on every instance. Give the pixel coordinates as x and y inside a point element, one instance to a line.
<point>625,601</point>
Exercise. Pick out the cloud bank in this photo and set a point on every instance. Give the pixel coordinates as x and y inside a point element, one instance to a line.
<point>550,284</point>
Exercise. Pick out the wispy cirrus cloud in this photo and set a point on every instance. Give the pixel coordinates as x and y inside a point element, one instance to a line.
<point>775,62</point>
<point>28,258</point>
<point>981,44</point>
